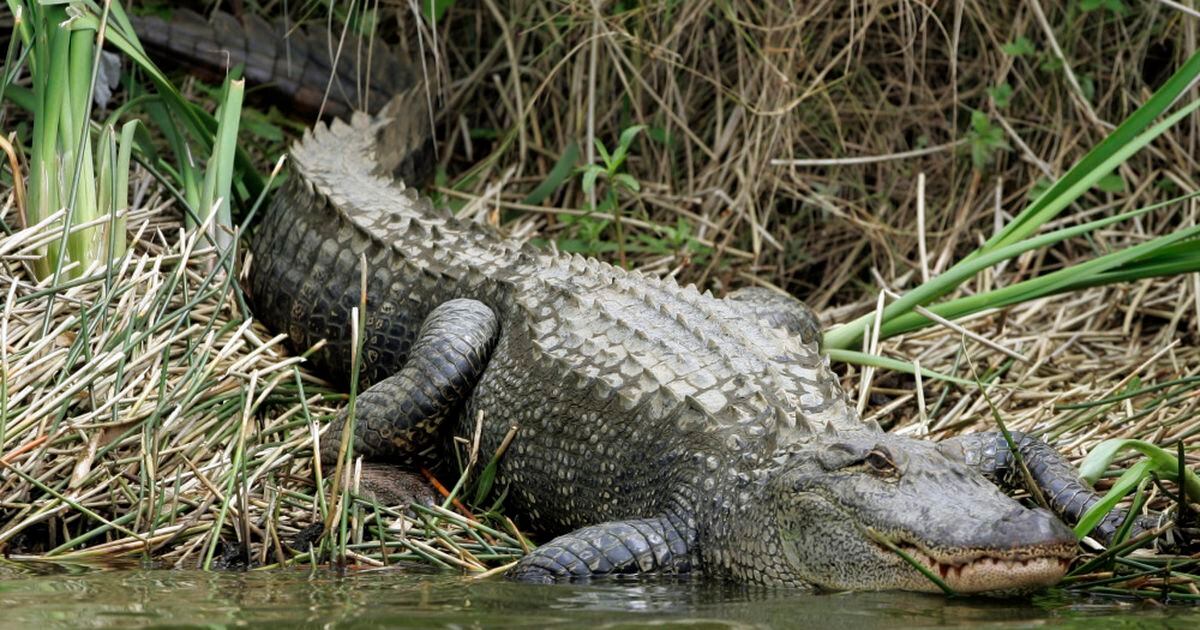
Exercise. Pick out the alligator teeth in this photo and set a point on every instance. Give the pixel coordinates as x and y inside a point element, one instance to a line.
<point>990,573</point>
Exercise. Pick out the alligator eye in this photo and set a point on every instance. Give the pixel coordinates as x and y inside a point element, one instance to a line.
<point>880,462</point>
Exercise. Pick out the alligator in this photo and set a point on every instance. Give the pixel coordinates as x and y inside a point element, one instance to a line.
<point>654,428</point>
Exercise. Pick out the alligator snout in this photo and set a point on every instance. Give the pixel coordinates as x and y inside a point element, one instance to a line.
<point>1024,549</point>
<point>1024,528</point>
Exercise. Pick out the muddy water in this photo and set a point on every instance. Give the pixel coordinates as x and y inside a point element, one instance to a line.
<point>48,597</point>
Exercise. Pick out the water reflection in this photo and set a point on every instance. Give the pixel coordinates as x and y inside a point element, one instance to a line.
<point>65,597</point>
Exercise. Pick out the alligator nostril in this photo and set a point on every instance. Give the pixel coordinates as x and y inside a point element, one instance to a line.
<point>1050,526</point>
<point>1029,527</point>
<point>1014,514</point>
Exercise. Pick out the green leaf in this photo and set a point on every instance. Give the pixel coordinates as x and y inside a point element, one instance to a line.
<point>558,174</point>
<point>1113,6</point>
<point>1161,461</point>
<point>590,173</point>
<point>259,125</point>
<point>1087,86</point>
<point>1038,188</point>
<point>218,182</point>
<point>1123,486</point>
<point>629,135</point>
<point>627,181</point>
<point>1111,183</point>
<point>681,233</point>
<point>1051,64</point>
<point>985,139</point>
<point>1001,95</point>
<point>1019,47</point>
<point>435,9</point>
<point>661,135</point>
<point>604,153</point>
<point>483,133</point>
<point>486,479</point>
<point>623,144</point>
<point>980,122</point>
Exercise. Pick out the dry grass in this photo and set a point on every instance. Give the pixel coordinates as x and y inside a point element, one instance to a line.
<point>173,423</point>
<point>154,419</point>
<point>850,91</point>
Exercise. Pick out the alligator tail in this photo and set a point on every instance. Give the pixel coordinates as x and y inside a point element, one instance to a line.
<point>345,203</point>
<point>308,70</point>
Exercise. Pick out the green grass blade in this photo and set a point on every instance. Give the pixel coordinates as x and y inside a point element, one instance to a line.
<point>1163,462</point>
<point>1034,288</point>
<point>85,247</point>
<point>121,205</point>
<point>218,184</point>
<point>845,336</point>
<point>1179,258</point>
<point>1094,165</point>
<point>190,179</point>
<point>560,173</point>
<point>862,358</point>
<point>1123,486</point>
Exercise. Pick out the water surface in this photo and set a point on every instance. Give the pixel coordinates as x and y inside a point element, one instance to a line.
<point>50,597</point>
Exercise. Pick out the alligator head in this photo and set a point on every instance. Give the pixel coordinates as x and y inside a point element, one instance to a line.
<point>831,514</point>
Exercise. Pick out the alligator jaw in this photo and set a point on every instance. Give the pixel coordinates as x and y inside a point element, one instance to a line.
<point>992,571</point>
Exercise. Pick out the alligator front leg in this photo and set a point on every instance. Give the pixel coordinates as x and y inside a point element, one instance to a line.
<point>651,545</point>
<point>399,416</point>
<point>1057,480</point>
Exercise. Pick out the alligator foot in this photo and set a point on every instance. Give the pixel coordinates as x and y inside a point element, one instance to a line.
<point>383,484</point>
<point>653,545</point>
<point>386,484</point>
<point>1052,475</point>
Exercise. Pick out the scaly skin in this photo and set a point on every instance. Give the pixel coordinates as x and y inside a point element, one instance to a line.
<point>294,64</point>
<point>659,429</point>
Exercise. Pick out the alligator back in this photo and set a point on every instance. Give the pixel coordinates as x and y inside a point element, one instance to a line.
<point>613,377</point>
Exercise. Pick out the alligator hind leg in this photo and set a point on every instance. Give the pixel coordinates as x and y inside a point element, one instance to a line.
<point>1069,496</point>
<point>650,545</point>
<point>400,415</point>
<point>777,310</point>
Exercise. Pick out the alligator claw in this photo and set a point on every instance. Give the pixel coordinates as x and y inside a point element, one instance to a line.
<point>1108,528</point>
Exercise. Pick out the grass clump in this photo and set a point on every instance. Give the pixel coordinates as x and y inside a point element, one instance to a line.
<point>73,183</point>
<point>156,421</point>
